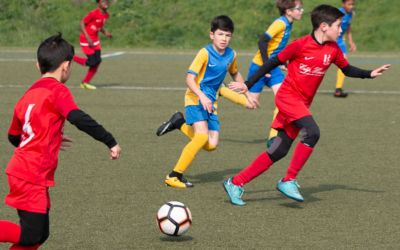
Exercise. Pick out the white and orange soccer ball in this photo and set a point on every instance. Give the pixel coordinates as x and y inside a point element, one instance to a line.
<point>174,218</point>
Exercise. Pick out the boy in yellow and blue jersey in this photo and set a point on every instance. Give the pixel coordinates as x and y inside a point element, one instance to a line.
<point>347,9</point>
<point>270,44</point>
<point>204,79</point>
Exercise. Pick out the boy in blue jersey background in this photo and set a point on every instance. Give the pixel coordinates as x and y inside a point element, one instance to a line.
<point>204,79</point>
<point>347,9</point>
<point>271,42</point>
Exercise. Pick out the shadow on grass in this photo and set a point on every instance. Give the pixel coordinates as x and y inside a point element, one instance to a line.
<point>213,176</point>
<point>308,194</point>
<point>183,238</point>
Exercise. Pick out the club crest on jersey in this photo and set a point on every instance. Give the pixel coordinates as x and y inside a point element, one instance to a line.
<point>327,59</point>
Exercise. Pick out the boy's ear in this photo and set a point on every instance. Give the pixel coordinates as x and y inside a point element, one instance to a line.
<point>37,66</point>
<point>323,26</point>
<point>211,35</point>
<point>65,65</point>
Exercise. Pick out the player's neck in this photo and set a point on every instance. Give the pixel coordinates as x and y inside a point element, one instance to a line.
<point>219,51</point>
<point>289,18</point>
<point>319,37</point>
<point>102,10</point>
<point>55,75</point>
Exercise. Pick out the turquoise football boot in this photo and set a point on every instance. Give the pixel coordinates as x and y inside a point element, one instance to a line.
<point>234,192</point>
<point>290,189</point>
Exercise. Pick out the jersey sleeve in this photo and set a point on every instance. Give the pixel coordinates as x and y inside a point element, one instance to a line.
<point>16,126</point>
<point>340,60</point>
<point>275,28</point>
<point>64,101</point>
<point>290,51</point>
<point>89,17</point>
<point>198,62</point>
<point>233,69</point>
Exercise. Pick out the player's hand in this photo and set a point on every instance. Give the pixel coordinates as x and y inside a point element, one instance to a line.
<point>379,71</point>
<point>353,47</point>
<point>66,142</point>
<point>238,87</point>
<point>90,42</point>
<point>207,103</point>
<point>115,152</point>
<point>283,68</point>
<point>252,102</point>
<point>108,34</point>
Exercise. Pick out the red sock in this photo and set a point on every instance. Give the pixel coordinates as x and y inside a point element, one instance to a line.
<point>19,247</point>
<point>91,72</point>
<point>300,157</point>
<point>80,60</point>
<point>257,167</point>
<point>9,232</point>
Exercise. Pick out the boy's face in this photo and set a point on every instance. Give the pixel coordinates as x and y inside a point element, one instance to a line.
<point>220,39</point>
<point>103,4</point>
<point>349,5</point>
<point>332,31</point>
<point>296,12</point>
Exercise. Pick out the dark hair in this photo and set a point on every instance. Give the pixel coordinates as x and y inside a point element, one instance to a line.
<point>52,52</point>
<point>284,5</point>
<point>223,23</point>
<point>324,14</point>
<point>343,1</point>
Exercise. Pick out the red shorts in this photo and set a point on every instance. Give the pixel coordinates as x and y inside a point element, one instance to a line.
<point>27,196</point>
<point>86,49</point>
<point>291,108</point>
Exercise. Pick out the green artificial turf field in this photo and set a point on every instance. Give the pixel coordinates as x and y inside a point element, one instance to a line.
<point>350,184</point>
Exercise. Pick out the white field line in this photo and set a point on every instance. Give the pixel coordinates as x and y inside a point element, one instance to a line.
<point>113,54</point>
<point>154,88</point>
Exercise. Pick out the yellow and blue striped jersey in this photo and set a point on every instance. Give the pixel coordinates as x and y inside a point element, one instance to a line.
<point>278,33</point>
<point>210,69</point>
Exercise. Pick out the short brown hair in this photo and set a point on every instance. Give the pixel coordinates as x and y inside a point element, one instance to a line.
<point>284,5</point>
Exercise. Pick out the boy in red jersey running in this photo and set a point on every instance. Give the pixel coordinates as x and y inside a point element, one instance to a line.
<point>309,58</point>
<point>89,40</point>
<point>37,133</point>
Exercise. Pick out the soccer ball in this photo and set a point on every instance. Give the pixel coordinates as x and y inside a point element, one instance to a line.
<point>174,218</point>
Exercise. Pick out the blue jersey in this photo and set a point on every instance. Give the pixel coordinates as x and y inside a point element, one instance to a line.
<point>346,21</point>
<point>210,69</point>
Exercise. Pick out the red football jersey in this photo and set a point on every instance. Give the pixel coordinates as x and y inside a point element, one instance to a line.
<point>94,21</point>
<point>308,63</point>
<point>39,118</point>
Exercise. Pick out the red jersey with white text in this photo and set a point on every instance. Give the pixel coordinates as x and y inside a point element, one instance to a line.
<point>39,118</point>
<point>308,63</point>
<point>94,21</point>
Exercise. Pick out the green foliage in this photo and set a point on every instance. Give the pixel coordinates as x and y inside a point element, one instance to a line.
<point>183,23</point>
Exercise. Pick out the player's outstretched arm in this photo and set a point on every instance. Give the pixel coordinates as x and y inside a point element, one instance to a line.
<point>85,123</point>
<point>379,71</point>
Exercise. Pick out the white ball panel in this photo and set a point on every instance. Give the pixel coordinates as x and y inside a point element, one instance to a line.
<point>163,211</point>
<point>167,227</point>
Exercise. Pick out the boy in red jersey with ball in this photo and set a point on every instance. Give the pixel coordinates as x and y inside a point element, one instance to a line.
<point>37,133</point>
<point>89,40</point>
<point>309,58</point>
